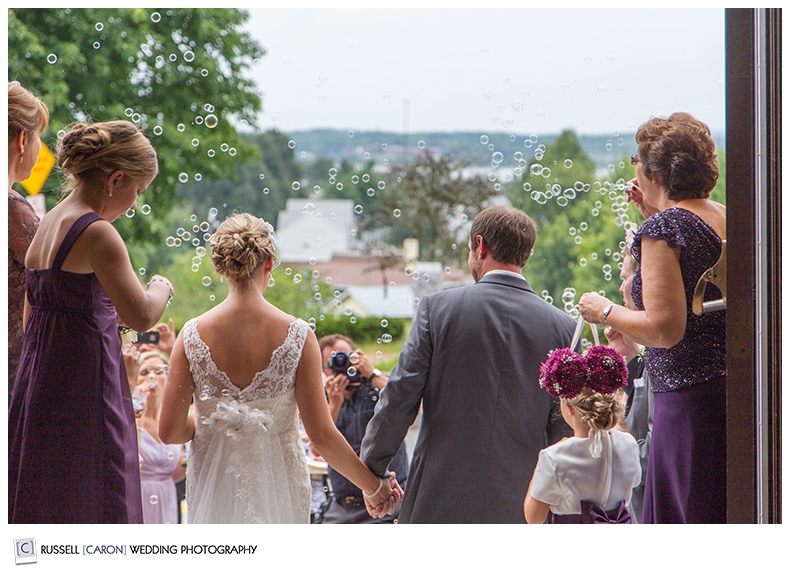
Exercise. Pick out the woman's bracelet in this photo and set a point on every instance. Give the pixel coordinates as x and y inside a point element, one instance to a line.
<point>375,492</point>
<point>162,280</point>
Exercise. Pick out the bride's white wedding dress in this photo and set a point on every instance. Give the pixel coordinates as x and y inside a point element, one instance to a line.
<point>246,462</point>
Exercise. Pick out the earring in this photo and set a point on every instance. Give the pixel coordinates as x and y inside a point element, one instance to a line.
<point>21,157</point>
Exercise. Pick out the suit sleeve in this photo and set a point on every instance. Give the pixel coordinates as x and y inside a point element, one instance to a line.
<point>400,400</point>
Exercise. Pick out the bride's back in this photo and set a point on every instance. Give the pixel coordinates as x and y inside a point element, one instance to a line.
<point>242,334</point>
<point>244,331</point>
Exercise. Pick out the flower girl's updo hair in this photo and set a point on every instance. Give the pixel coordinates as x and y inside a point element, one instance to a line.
<point>598,410</point>
<point>241,245</point>
<point>88,153</point>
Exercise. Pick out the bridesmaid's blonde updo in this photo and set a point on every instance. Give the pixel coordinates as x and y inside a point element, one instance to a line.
<point>89,153</point>
<point>241,245</point>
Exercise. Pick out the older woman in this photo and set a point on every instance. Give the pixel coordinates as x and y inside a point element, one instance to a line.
<point>676,169</point>
<point>28,117</point>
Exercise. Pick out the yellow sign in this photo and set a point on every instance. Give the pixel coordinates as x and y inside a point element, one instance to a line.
<point>40,172</point>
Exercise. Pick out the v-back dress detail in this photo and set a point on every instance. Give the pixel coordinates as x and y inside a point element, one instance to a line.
<point>246,461</point>
<point>72,442</point>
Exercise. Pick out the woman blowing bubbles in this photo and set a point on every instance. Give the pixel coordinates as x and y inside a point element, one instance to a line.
<point>72,441</point>
<point>676,169</point>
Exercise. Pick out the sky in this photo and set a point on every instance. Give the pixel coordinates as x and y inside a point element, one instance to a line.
<point>528,70</point>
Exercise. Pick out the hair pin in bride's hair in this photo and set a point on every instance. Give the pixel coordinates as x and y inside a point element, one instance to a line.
<point>276,259</point>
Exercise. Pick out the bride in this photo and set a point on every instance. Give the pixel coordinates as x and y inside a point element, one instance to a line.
<point>250,367</point>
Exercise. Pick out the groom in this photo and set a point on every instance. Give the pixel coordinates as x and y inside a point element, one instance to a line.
<point>472,360</point>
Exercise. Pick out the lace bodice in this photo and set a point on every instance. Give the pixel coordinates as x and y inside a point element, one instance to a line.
<point>277,378</point>
<point>246,462</point>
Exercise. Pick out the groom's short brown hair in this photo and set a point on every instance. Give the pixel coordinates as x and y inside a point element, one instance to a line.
<point>509,233</point>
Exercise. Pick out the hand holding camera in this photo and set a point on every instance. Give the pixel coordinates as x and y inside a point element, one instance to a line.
<point>344,363</point>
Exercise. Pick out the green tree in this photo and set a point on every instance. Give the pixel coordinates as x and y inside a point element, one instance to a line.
<point>261,187</point>
<point>178,73</point>
<point>581,213</point>
<point>432,198</point>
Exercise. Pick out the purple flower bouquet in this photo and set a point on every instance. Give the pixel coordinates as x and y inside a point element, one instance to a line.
<point>567,373</point>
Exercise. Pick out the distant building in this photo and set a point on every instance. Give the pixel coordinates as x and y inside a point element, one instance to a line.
<point>322,235</point>
<point>312,231</point>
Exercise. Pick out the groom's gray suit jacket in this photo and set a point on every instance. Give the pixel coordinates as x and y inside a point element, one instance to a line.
<point>471,359</point>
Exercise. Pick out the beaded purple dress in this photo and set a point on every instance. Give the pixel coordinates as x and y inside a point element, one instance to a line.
<point>72,442</point>
<point>687,466</point>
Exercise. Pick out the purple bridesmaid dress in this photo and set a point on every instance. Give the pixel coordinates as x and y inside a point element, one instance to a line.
<point>72,444</point>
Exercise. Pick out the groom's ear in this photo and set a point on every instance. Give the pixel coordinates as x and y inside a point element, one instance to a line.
<point>480,244</point>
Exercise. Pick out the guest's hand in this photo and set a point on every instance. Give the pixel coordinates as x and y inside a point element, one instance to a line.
<point>622,344</point>
<point>363,364</point>
<point>167,336</point>
<point>335,389</point>
<point>131,360</point>
<point>635,194</point>
<point>591,306</point>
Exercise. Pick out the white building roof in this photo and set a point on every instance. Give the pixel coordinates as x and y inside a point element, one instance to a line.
<point>314,230</point>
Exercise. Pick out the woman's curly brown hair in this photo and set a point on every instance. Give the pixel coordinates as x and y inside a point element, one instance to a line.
<point>679,153</point>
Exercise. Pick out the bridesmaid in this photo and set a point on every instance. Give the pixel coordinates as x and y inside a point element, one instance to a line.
<point>28,117</point>
<point>72,441</point>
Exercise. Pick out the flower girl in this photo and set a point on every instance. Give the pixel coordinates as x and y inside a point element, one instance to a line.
<point>586,478</point>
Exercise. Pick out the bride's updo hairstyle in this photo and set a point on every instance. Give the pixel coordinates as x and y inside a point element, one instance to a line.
<point>89,153</point>
<point>241,245</point>
<point>600,411</point>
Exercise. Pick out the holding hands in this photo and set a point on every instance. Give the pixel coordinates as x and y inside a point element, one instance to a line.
<point>382,501</point>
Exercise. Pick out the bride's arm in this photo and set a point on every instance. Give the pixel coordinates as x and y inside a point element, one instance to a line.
<point>323,433</point>
<point>176,425</point>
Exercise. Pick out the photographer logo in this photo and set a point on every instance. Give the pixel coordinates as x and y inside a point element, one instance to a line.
<point>25,550</point>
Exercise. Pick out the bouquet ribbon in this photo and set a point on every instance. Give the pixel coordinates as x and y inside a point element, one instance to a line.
<point>577,334</point>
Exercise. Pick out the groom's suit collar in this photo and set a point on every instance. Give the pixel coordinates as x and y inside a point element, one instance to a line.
<point>506,279</point>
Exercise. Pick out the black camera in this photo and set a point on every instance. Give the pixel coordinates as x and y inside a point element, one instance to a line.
<point>149,337</point>
<point>340,362</point>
